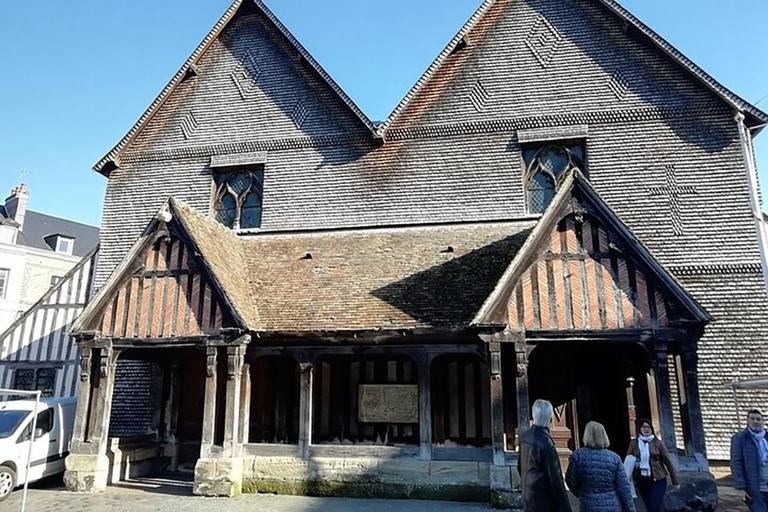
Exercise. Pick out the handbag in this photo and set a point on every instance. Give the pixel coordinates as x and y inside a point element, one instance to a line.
<point>630,468</point>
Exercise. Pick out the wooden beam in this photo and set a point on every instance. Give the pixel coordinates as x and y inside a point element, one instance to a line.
<point>425,407</point>
<point>235,358</point>
<point>521,381</point>
<point>305,407</point>
<point>82,413</point>
<point>101,407</point>
<point>209,402</point>
<point>664,394</point>
<point>245,404</point>
<point>497,404</point>
<point>690,361</point>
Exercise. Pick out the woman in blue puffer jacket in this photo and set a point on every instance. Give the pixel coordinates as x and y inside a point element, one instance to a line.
<point>596,475</point>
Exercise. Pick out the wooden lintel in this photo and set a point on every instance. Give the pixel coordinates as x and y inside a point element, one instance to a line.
<point>505,336</point>
<point>310,353</point>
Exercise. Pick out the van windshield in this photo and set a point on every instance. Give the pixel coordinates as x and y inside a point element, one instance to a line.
<point>10,421</point>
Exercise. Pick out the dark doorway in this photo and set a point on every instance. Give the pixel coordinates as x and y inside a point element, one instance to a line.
<point>192,374</point>
<point>591,381</point>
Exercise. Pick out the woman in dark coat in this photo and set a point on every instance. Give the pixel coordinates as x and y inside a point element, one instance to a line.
<point>540,477</point>
<point>653,466</point>
<point>596,475</point>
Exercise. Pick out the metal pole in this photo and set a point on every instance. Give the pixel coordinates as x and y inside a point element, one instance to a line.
<point>29,453</point>
<point>37,395</point>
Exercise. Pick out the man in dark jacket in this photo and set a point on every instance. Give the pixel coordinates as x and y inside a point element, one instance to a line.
<point>749,462</point>
<point>539,467</point>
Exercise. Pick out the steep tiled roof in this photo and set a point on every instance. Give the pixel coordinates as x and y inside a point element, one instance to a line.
<point>222,251</point>
<point>404,278</point>
<point>379,279</point>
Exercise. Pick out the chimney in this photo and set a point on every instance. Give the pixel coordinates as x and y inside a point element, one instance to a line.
<point>16,204</point>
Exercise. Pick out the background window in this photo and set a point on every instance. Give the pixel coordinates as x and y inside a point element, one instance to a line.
<point>4,272</point>
<point>33,379</point>
<point>65,245</point>
<point>545,167</point>
<point>238,198</point>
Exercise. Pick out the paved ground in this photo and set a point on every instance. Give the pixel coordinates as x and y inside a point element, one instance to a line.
<point>163,495</point>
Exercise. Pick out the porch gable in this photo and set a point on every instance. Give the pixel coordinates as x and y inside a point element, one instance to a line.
<point>582,269</point>
<point>165,288</point>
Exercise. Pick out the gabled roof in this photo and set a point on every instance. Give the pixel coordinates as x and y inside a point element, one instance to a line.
<point>387,279</point>
<point>215,247</point>
<point>575,185</point>
<point>625,16</point>
<point>198,54</point>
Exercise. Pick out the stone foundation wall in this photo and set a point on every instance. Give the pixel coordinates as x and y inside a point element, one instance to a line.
<point>368,478</point>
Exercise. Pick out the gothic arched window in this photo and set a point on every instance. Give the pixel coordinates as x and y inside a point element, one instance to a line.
<point>237,201</point>
<point>545,167</point>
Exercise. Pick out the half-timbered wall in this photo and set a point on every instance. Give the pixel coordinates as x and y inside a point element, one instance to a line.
<point>581,281</point>
<point>39,339</point>
<point>166,297</point>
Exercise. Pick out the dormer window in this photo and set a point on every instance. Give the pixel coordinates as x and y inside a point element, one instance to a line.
<point>545,167</point>
<point>238,195</point>
<point>64,244</point>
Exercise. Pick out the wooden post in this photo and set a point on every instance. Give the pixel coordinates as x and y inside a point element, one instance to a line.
<point>664,394</point>
<point>690,360</point>
<point>631,408</point>
<point>245,403</point>
<point>305,408</point>
<point>103,405</point>
<point>209,403</point>
<point>82,414</point>
<point>523,400</point>
<point>497,404</point>
<point>425,407</point>
<point>170,416</point>
<point>235,359</point>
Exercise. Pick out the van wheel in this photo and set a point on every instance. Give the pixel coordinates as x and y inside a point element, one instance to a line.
<point>7,482</point>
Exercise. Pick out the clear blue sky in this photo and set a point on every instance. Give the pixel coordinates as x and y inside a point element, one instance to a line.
<point>76,75</point>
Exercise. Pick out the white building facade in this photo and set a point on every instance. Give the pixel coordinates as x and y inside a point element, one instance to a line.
<point>45,280</point>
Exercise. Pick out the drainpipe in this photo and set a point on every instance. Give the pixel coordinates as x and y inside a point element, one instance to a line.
<point>748,154</point>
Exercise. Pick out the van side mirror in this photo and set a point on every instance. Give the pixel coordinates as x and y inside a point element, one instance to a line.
<point>39,432</point>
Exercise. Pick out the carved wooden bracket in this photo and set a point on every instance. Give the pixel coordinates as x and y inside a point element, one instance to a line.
<point>85,365</point>
<point>210,363</point>
<point>235,360</point>
<point>105,362</point>
<point>522,365</point>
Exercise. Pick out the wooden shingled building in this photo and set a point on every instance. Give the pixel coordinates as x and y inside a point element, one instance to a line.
<point>562,207</point>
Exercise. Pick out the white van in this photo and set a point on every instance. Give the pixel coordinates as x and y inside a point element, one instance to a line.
<point>55,419</point>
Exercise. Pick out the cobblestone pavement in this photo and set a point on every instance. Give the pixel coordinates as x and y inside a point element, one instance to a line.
<point>164,495</point>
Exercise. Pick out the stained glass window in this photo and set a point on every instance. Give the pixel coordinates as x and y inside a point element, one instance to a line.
<point>238,198</point>
<point>546,166</point>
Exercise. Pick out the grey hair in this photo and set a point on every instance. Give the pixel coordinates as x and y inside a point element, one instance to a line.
<point>542,413</point>
<point>595,436</point>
